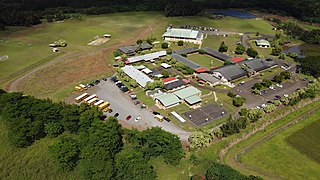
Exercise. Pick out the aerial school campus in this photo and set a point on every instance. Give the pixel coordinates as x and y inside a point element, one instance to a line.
<point>187,75</point>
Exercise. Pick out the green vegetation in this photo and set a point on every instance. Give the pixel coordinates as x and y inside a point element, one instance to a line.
<point>205,60</point>
<point>305,140</point>
<point>276,156</point>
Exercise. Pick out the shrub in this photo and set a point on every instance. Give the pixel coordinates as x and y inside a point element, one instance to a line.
<point>252,52</point>
<point>180,43</point>
<point>164,45</point>
<point>201,51</point>
<point>238,101</point>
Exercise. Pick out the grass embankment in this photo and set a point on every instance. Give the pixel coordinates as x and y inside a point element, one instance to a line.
<point>267,154</point>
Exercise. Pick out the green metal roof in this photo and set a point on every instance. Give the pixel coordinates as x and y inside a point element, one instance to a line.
<point>187,92</point>
<point>168,99</point>
<point>139,67</point>
<point>193,99</point>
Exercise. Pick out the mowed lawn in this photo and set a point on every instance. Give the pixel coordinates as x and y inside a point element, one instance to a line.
<point>27,46</point>
<point>205,60</point>
<point>307,140</point>
<point>278,157</point>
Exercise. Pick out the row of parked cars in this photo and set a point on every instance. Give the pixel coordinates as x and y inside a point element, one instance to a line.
<point>119,84</point>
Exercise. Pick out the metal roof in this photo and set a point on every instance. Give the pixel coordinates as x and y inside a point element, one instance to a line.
<point>185,61</point>
<point>147,57</point>
<point>231,72</point>
<point>187,92</point>
<point>174,84</point>
<point>137,75</point>
<point>168,99</point>
<point>259,64</point>
<point>181,33</point>
<point>188,50</point>
<point>193,99</point>
<point>131,49</point>
<point>208,78</point>
<point>216,54</point>
<point>262,42</point>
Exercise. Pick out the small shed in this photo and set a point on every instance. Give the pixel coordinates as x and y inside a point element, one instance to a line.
<point>165,65</point>
<point>107,35</point>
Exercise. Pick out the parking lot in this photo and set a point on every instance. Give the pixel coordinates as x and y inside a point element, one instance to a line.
<point>122,104</point>
<point>253,100</point>
<point>204,115</point>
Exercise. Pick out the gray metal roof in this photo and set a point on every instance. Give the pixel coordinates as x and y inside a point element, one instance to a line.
<point>231,72</point>
<point>217,54</point>
<point>188,50</point>
<point>137,75</point>
<point>132,49</point>
<point>186,61</point>
<point>259,64</point>
<point>208,78</point>
<point>147,57</point>
<point>174,84</point>
<point>181,33</point>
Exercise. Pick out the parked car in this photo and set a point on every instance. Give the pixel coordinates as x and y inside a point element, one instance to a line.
<point>128,117</point>
<point>166,119</point>
<point>155,113</point>
<point>136,102</point>
<point>279,85</point>
<point>113,78</point>
<point>116,115</point>
<point>285,95</point>
<point>272,88</point>
<point>133,96</point>
<point>110,111</point>
<point>105,79</point>
<point>137,119</point>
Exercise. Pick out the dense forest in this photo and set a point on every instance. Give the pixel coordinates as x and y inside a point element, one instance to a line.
<point>29,12</point>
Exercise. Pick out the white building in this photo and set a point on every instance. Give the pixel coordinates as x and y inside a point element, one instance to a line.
<point>186,35</point>
<point>137,75</point>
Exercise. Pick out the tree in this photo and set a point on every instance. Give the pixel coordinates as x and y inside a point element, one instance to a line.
<point>139,41</point>
<point>164,45</point>
<point>269,108</point>
<point>53,129</point>
<point>266,82</point>
<point>150,86</point>
<point>66,153</point>
<point>238,101</point>
<point>285,75</point>
<point>165,73</point>
<point>226,63</point>
<point>252,52</point>
<point>223,47</point>
<point>201,51</point>
<point>257,34</point>
<point>133,83</point>
<point>70,119</point>
<point>131,165</point>
<point>116,53</point>
<point>276,50</point>
<point>169,51</point>
<point>310,65</point>
<point>240,49</point>
<point>221,171</point>
<point>278,78</point>
<point>293,55</point>
<point>180,43</point>
<point>126,79</point>
<point>255,114</point>
<point>283,56</point>
<point>100,145</point>
<point>87,117</point>
<point>257,86</point>
<point>201,138</point>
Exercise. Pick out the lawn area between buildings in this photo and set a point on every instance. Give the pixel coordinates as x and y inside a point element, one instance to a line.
<point>205,60</point>
<point>275,157</point>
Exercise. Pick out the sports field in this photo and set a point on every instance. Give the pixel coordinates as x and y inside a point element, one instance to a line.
<point>278,157</point>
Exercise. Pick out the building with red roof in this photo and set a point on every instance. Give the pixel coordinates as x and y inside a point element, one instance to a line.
<point>169,80</point>
<point>200,70</point>
<point>237,59</point>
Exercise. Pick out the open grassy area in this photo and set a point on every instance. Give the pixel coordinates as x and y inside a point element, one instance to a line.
<point>306,140</point>
<point>205,60</point>
<point>275,156</point>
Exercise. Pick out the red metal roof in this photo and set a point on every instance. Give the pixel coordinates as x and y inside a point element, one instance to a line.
<point>187,81</point>
<point>200,70</point>
<point>237,59</point>
<point>169,79</point>
<point>127,62</point>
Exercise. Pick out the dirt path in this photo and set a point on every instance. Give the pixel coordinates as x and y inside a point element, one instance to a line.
<point>233,158</point>
<point>13,86</point>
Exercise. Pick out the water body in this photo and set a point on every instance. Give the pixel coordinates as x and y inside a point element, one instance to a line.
<point>294,49</point>
<point>235,13</point>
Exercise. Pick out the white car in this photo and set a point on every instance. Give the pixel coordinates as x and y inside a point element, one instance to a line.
<point>272,87</point>
<point>286,95</point>
<point>137,119</point>
<point>279,85</point>
<point>263,105</point>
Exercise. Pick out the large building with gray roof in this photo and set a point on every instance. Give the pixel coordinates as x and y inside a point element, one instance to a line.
<point>186,35</point>
<point>229,72</point>
<point>259,64</point>
<point>137,75</point>
<point>131,50</point>
<point>216,54</point>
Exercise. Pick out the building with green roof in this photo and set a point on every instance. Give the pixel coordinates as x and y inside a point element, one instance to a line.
<point>186,35</point>
<point>167,100</point>
<point>190,94</point>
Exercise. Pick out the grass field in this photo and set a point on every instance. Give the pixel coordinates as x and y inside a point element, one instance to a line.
<point>277,157</point>
<point>205,60</point>
<point>306,140</point>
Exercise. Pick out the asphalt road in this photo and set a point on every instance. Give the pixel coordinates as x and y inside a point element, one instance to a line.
<point>121,103</point>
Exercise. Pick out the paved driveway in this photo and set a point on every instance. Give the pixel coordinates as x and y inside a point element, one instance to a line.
<point>122,104</point>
